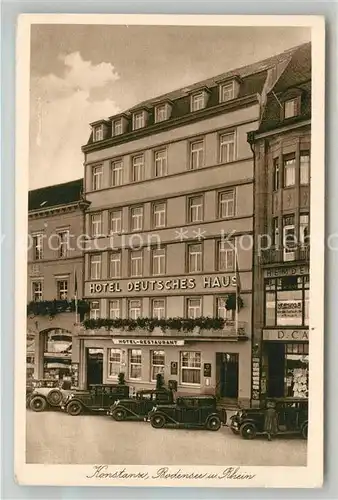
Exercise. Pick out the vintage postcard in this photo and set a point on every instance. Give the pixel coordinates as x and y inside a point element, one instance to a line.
<point>169,250</point>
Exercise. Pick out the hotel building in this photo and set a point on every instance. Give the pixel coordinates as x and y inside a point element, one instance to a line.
<point>170,184</point>
<point>282,146</point>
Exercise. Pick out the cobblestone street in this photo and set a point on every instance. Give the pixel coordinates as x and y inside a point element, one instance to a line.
<point>57,438</point>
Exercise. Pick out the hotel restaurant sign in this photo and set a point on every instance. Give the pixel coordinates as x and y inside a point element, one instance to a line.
<point>168,285</point>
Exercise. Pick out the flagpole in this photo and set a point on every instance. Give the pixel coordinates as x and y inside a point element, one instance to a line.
<point>75,297</point>
<point>237,285</point>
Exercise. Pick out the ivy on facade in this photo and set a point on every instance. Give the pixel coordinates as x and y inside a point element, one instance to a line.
<point>53,307</point>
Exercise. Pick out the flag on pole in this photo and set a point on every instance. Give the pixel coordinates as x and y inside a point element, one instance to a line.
<point>238,287</point>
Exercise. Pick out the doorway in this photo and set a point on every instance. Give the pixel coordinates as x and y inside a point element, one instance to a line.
<point>94,366</point>
<point>227,375</point>
<point>275,381</point>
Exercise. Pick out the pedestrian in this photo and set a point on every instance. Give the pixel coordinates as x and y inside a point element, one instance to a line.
<point>270,421</point>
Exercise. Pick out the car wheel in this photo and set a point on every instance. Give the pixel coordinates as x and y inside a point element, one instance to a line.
<point>119,414</point>
<point>74,408</point>
<point>213,424</point>
<point>304,431</point>
<point>157,421</point>
<point>38,403</point>
<point>54,397</point>
<point>248,431</point>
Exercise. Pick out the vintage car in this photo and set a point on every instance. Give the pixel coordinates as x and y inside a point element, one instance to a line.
<point>189,412</point>
<point>292,418</point>
<point>137,408</point>
<point>98,398</point>
<point>45,394</point>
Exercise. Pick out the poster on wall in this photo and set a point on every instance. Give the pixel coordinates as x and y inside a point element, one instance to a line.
<point>289,312</point>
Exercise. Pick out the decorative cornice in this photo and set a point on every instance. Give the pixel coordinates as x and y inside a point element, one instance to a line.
<point>59,209</point>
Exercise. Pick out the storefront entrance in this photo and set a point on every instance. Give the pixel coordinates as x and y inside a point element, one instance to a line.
<point>94,366</point>
<point>227,375</point>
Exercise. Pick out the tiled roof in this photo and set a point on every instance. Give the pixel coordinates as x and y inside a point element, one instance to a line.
<point>59,194</point>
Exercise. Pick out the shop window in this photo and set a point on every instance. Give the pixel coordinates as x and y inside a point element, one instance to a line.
<point>38,246</point>
<point>225,256</point>
<point>227,147</point>
<point>160,163</point>
<point>136,263</point>
<point>114,363</point>
<point>94,309</point>
<point>97,174</point>
<point>289,164</point>
<point>37,291</point>
<point>226,204</point>
<point>115,221</point>
<point>196,155</point>
<point>134,308</point>
<point>194,308</point>
<point>276,174</point>
<point>191,367</point>
<point>116,173</point>
<point>96,225</point>
<point>115,309</point>
<point>195,209</point>
<point>136,218</point>
<point>304,166</point>
<point>115,265</point>
<point>195,258</point>
<point>62,289</point>
<point>159,215</point>
<point>158,261</point>
<point>157,364</point>
<point>135,364</point>
<point>287,301</point>
<point>297,370</point>
<point>95,266</point>
<point>158,308</point>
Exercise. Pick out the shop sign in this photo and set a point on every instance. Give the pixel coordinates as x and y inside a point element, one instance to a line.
<point>289,312</point>
<point>163,342</point>
<point>286,271</point>
<point>186,283</point>
<point>300,335</point>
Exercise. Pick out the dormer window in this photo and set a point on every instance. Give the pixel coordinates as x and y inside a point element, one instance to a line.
<point>198,101</point>
<point>161,113</point>
<point>117,127</point>
<point>138,120</point>
<point>227,92</point>
<point>98,133</point>
<point>291,107</point>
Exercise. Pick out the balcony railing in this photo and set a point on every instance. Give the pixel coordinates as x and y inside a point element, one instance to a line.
<point>230,330</point>
<point>273,255</point>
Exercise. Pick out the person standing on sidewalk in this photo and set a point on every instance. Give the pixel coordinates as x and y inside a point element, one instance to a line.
<point>270,421</point>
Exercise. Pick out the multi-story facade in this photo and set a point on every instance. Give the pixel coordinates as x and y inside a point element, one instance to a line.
<point>55,265</point>
<point>170,186</point>
<point>282,146</point>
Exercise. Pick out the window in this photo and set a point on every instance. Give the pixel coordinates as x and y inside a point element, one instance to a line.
<point>160,159</point>
<point>195,258</point>
<point>116,221</point>
<point>137,168</point>
<point>289,237</point>
<point>222,311</point>
<point>226,204</point>
<point>304,167</point>
<point>157,364</point>
<point>115,265</point>
<point>158,308</point>
<point>196,155</point>
<point>197,101</point>
<point>195,209</point>
<point>304,229</point>
<point>135,364</point>
<point>291,108</point>
<point>227,147</point>
<point>276,174</point>
<point>114,363</point>
<point>275,232</point>
<point>136,263</point>
<point>227,92</point>
<point>63,237</point>
<point>137,219</point>
<point>289,171</point>
<point>97,178</point>
<point>117,127</point>
<point>94,309</point>
<point>286,301</point>
<point>62,289</point>
<point>138,120</point>
<point>160,113</point>
<point>134,308</point>
<point>159,214</point>
<point>191,367</point>
<point>117,173</point>
<point>96,225</point>
<point>95,267</point>
<point>37,290</point>
<point>158,261</point>
<point>194,308</point>
<point>98,133</point>
<point>225,256</point>
<point>38,246</point>
<point>115,309</point>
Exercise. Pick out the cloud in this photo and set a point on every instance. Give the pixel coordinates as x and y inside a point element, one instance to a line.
<point>61,110</point>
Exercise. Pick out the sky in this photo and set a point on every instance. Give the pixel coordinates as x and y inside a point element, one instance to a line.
<point>82,73</point>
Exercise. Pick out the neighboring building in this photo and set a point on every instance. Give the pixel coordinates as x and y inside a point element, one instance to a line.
<point>55,262</point>
<point>282,146</point>
<point>175,169</point>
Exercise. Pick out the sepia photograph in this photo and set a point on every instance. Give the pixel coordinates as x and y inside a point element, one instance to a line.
<point>166,325</point>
